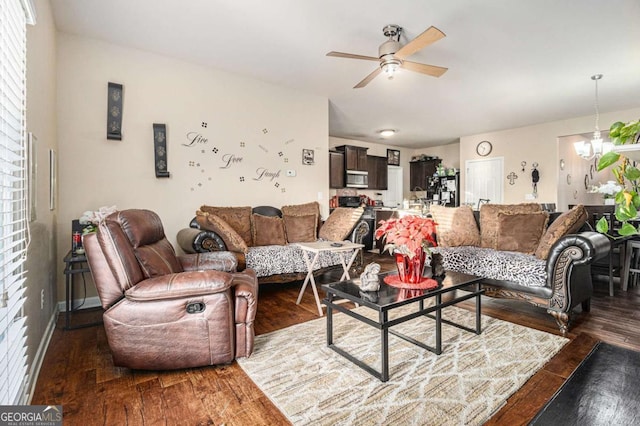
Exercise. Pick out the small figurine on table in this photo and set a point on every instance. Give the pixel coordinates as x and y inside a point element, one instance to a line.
<point>369,278</point>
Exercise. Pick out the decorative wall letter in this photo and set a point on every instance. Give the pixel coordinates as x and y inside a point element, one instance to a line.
<point>160,149</point>
<point>114,111</point>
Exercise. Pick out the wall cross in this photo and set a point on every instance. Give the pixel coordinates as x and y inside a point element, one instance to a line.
<point>512,178</point>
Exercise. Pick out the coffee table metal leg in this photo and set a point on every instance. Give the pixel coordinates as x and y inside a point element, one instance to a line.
<point>329,320</point>
<point>478,313</point>
<point>438,325</point>
<point>384,347</point>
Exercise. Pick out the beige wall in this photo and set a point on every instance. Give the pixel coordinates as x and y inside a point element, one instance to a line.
<point>42,257</point>
<point>261,126</point>
<point>538,143</point>
<point>450,154</point>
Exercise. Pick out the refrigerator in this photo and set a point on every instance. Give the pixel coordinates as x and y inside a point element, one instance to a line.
<point>448,190</point>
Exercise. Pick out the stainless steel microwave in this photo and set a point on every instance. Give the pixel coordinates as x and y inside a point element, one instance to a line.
<point>356,179</point>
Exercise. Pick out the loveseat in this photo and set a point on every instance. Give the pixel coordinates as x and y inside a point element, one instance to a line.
<point>263,238</point>
<point>523,253</point>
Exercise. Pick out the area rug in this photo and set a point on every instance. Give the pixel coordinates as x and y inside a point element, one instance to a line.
<point>603,390</point>
<point>465,385</point>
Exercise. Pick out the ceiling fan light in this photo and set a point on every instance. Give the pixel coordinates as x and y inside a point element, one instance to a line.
<point>386,133</point>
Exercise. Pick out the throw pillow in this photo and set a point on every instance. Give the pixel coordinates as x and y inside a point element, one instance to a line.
<point>456,226</point>
<point>268,230</point>
<point>568,222</point>
<point>340,223</point>
<point>489,219</point>
<point>231,238</point>
<point>239,218</point>
<point>300,229</point>
<point>303,209</point>
<point>520,231</point>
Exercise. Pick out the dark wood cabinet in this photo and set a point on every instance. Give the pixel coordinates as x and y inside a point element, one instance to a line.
<point>336,169</point>
<point>377,170</point>
<point>419,171</point>
<point>355,157</point>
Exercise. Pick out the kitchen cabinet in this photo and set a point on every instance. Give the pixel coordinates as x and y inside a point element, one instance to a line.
<point>336,169</point>
<point>420,171</point>
<point>377,169</point>
<point>355,157</point>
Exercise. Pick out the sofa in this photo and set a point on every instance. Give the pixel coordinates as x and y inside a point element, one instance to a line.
<point>263,238</point>
<point>523,253</point>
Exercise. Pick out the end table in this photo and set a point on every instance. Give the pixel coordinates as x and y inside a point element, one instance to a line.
<point>74,264</point>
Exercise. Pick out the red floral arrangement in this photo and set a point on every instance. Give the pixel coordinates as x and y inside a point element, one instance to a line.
<point>406,234</point>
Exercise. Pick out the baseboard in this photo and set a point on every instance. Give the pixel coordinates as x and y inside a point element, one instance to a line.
<point>39,358</point>
<point>89,302</point>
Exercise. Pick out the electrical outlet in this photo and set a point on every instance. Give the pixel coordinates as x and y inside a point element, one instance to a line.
<point>42,299</point>
<point>291,173</point>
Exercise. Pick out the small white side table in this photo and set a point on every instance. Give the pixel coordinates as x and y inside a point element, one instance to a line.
<point>316,248</point>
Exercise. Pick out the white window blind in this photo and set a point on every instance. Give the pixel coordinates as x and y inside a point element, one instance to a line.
<point>13,201</point>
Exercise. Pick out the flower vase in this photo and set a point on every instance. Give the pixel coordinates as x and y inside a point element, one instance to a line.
<point>410,268</point>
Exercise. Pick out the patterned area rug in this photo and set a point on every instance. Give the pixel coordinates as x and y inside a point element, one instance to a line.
<point>465,385</point>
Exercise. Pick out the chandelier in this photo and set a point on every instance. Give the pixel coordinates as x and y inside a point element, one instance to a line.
<point>588,150</point>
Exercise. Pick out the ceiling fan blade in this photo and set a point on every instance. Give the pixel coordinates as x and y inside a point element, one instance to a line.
<point>431,70</point>
<point>368,78</point>
<point>351,56</point>
<point>430,35</point>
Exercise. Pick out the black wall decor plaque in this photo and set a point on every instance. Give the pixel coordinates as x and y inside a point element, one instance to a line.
<point>160,149</point>
<point>114,111</point>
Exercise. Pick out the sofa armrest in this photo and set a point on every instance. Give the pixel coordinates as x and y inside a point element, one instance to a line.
<point>180,285</point>
<point>193,240</point>
<point>217,260</point>
<point>569,268</point>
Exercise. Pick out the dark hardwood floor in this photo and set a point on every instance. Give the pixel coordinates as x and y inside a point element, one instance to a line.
<point>78,372</point>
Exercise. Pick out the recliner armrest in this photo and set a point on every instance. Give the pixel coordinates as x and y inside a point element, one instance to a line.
<point>217,260</point>
<point>180,285</point>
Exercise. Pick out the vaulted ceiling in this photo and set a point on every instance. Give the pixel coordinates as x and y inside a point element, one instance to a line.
<point>510,63</point>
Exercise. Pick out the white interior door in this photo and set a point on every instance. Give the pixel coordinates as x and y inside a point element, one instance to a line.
<point>393,195</point>
<point>484,180</point>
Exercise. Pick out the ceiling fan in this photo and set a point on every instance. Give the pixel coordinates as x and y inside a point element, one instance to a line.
<point>391,54</point>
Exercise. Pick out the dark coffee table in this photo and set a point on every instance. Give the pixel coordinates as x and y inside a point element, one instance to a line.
<point>389,298</point>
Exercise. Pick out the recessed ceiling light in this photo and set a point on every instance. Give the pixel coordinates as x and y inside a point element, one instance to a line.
<point>386,133</point>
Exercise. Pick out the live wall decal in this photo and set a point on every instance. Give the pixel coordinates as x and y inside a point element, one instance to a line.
<point>114,111</point>
<point>160,149</point>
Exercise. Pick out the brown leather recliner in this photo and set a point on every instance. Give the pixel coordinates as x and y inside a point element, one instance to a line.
<point>164,311</point>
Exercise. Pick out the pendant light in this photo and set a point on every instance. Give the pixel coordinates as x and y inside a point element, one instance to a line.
<point>595,147</point>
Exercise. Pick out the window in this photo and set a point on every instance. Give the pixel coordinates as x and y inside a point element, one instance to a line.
<point>13,201</point>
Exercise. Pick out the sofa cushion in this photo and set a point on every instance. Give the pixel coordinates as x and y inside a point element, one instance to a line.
<point>521,268</point>
<point>568,222</point>
<point>267,230</point>
<point>521,231</point>
<point>239,218</point>
<point>300,229</point>
<point>456,226</point>
<point>340,223</point>
<point>231,238</point>
<point>304,209</point>
<point>489,219</point>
